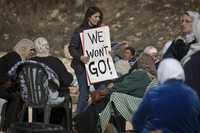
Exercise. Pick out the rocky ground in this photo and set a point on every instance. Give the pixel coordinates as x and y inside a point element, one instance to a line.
<point>140,22</point>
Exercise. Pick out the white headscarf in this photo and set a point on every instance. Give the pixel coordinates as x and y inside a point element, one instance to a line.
<point>170,69</point>
<point>196,32</point>
<point>42,47</point>
<point>166,47</point>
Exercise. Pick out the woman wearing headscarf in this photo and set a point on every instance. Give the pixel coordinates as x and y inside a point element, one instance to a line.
<point>172,107</point>
<point>191,60</point>
<point>23,50</point>
<point>194,47</point>
<point>180,47</point>
<point>93,19</point>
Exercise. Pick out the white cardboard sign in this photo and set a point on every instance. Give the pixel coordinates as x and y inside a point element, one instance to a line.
<point>97,46</point>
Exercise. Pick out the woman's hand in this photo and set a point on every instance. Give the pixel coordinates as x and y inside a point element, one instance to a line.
<point>84,59</point>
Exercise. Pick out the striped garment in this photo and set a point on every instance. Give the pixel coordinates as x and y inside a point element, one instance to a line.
<point>125,104</point>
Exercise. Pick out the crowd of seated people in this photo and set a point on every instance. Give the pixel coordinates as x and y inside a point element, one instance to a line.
<point>173,91</point>
<point>27,50</point>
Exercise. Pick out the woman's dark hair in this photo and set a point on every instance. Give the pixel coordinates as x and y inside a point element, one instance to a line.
<point>91,11</point>
<point>186,13</point>
<point>132,50</point>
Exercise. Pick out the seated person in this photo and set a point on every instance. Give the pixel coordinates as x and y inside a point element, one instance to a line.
<point>172,107</point>
<point>153,52</point>
<point>129,61</point>
<point>42,50</point>
<point>126,94</point>
<point>130,55</point>
<point>57,73</point>
<point>118,50</point>
<point>42,55</point>
<point>121,64</point>
<point>23,50</point>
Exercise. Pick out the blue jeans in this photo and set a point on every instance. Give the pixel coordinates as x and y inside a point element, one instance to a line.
<point>84,91</point>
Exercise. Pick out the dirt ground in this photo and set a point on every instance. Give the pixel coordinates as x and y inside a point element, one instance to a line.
<point>140,22</point>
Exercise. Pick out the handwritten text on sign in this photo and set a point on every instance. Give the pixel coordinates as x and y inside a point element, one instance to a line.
<point>97,46</point>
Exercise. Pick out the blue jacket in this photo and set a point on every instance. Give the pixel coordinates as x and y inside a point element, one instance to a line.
<point>172,107</point>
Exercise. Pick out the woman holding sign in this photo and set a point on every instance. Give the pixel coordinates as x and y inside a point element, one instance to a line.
<point>93,19</point>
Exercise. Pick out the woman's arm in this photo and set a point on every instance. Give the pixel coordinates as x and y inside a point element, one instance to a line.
<point>75,46</point>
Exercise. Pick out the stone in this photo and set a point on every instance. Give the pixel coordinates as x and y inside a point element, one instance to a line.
<point>6,36</point>
<point>131,18</point>
<point>54,13</point>
<point>118,15</point>
<point>161,38</point>
<point>136,39</point>
<point>166,18</point>
<point>167,5</point>
<point>139,34</point>
<point>41,24</point>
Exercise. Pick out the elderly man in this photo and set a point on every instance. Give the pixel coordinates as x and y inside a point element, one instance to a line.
<point>153,52</point>
<point>172,107</point>
<point>23,50</point>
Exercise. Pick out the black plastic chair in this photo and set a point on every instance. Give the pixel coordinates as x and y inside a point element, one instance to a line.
<point>34,88</point>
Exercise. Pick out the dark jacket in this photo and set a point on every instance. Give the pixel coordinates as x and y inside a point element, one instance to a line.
<point>172,107</point>
<point>133,83</point>
<point>6,63</point>
<point>178,49</point>
<point>192,72</point>
<point>76,51</point>
<point>8,92</point>
<point>58,67</point>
